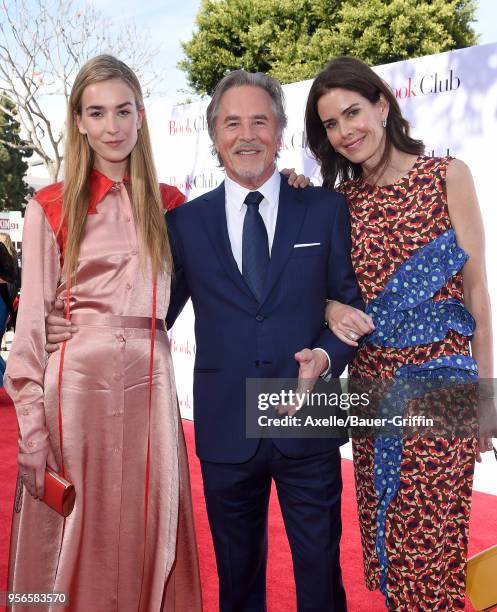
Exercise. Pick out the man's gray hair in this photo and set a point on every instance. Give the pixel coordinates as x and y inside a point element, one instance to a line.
<point>238,78</point>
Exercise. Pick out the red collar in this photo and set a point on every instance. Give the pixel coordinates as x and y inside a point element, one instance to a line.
<point>100,185</point>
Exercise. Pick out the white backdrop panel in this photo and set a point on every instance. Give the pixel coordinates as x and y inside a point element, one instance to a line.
<point>450,100</point>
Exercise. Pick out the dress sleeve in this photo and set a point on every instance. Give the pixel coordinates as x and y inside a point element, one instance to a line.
<point>171,196</point>
<point>25,370</point>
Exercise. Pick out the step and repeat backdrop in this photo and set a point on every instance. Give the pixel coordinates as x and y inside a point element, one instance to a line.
<point>450,100</point>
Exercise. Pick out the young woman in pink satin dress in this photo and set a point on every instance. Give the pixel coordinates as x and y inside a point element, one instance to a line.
<point>97,242</point>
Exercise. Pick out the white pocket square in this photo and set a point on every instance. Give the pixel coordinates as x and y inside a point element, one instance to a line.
<point>306,244</point>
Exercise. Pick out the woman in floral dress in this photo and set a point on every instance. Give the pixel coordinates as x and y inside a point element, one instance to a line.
<point>418,252</point>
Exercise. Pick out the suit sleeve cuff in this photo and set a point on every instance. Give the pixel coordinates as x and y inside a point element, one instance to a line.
<point>326,374</point>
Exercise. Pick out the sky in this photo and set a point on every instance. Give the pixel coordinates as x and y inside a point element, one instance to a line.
<point>172,21</point>
<point>168,22</point>
<point>486,21</point>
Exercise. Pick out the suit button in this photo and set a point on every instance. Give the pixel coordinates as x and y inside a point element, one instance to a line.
<point>260,318</point>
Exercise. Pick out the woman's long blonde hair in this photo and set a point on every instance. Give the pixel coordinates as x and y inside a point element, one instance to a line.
<point>78,162</point>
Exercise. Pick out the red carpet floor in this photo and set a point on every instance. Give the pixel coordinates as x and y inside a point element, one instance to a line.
<point>281,592</point>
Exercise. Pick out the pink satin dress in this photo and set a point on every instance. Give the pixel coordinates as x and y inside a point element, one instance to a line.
<point>105,556</point>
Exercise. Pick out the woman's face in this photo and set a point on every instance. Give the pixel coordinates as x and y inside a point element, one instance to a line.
<point>110,119</point>
<point>354,125</point>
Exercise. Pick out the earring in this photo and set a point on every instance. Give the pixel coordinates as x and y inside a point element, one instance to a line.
<point>384,122</point>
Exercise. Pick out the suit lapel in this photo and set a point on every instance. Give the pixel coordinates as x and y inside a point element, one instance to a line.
<point>291,213</point>
<point>214,219</point>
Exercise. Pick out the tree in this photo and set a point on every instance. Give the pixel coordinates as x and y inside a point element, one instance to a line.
<point>13,189</point>
<point>293,39</point>
<point>43,43</point>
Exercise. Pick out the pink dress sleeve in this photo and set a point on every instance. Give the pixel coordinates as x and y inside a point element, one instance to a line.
<point>26,363</point>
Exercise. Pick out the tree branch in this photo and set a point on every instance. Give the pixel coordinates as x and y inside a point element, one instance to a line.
<point>42,46</point>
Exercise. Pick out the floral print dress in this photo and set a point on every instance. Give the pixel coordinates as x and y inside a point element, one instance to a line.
<point>413,492</point>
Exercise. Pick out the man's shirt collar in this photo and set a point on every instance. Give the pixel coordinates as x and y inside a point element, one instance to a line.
<point>236,193</point>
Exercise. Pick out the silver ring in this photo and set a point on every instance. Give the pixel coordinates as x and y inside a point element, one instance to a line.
<point>352,335</point>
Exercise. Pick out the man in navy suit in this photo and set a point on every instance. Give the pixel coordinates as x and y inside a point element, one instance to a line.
<point>260,319</point>
<point>259,260</point>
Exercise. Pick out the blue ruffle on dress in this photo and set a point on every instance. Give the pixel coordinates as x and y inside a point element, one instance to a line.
<point>405,315</point>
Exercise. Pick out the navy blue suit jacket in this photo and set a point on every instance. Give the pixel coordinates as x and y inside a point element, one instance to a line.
<point>236,336</point>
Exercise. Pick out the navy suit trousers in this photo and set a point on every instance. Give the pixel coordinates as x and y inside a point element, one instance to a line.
<point>309,492</point>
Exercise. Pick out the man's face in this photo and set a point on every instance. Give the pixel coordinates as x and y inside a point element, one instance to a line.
<point>247,135</point>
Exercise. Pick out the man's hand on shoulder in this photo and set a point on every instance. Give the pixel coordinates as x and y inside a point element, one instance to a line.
<point>296,180</point>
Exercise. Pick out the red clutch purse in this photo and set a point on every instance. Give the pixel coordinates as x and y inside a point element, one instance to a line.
<point>59,493</point>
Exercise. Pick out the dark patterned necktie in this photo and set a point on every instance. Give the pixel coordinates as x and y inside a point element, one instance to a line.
<point>255,245</point>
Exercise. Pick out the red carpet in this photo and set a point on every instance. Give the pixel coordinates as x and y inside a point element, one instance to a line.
<point>281,592</point>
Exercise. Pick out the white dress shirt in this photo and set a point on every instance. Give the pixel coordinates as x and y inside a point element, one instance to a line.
<point>236,209</point>
<point>268,208</point>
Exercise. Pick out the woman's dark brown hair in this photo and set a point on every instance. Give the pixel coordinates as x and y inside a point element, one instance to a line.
<point>352,74</point>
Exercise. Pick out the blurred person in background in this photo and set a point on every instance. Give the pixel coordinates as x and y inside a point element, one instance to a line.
<point>9,287</point>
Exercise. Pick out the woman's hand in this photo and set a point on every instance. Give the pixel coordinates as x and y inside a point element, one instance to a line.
<point>32,469</point>
<point>484,445</point>
<point>296,180</point>
<point>348,324</point>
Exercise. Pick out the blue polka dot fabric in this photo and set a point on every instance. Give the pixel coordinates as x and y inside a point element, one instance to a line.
<point>405,315</point>
<point>435,374</point>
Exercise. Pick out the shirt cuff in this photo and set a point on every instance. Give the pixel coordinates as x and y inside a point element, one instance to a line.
<point>326,375</point>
